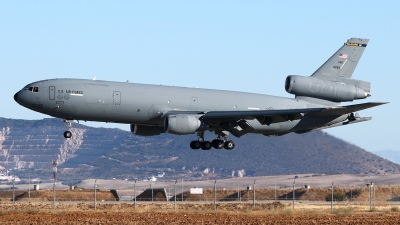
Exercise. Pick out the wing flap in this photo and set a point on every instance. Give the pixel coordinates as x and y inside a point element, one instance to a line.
<point>264,116</point>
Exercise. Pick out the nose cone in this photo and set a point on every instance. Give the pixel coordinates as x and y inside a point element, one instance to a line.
<point>16,97</point>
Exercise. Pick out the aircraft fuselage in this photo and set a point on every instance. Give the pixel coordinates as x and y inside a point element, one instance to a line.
<point>130,103</point>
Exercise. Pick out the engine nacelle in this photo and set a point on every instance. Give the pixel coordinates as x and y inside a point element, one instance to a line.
<point>181,124</point>
<point>143,130</point>
<point>323,89</point>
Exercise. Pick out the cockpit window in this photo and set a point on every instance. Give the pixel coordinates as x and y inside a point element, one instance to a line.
<point>33,89</point>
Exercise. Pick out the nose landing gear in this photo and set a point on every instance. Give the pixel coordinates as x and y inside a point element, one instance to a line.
<point>68,134</point>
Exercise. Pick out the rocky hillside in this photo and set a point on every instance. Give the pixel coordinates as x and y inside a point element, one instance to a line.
<point>29,146</point>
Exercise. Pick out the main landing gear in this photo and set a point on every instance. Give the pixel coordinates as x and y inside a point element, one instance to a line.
<point>216,143</point>
<point>68,134</point>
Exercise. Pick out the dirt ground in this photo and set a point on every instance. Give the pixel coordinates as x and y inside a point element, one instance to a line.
<point>228,211</point>
<point>42,213</point>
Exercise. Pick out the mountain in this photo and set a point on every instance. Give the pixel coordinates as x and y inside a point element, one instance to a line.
<point>29,146</point>
<point>391,155</point>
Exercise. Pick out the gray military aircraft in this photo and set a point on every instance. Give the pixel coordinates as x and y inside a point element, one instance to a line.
<point>155,109</point>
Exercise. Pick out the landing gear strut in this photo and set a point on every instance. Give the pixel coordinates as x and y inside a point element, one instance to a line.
<point>205,145</point>
<point>68,134</point>
<point>216,143</point>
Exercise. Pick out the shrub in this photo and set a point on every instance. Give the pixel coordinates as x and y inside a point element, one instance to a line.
<point>336,197</point>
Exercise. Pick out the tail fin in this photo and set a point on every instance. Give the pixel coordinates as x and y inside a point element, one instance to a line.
<point>344,61</point>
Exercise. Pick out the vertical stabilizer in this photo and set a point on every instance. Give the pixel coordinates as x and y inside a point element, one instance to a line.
<point>344,61</point>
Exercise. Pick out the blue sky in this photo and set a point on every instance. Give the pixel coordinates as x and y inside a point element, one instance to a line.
<point>248,46</point>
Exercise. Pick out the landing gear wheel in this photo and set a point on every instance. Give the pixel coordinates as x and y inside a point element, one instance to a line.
<point>67,134</point>
<point>229,145</point>
<point>214,143</point>
<point>206,145</point>
<point>217,144</point>
<point>195,145</point>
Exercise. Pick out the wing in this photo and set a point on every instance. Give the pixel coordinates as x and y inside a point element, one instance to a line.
<point>264,116</point>
<point>346,109</point>
<point>236,121</point>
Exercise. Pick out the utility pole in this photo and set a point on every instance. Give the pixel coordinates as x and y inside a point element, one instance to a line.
<point>95,187</point>
<point>294,182</point>
<point>254,194</point>
<point>134,191</point>
<point>332,196</point>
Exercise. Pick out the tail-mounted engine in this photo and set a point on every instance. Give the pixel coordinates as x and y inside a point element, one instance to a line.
<point>343,91</point>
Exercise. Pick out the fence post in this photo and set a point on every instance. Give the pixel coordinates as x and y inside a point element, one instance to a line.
<point>151,194</point>
<point>182,188</point>
<point>275,188</point>
<point>215,194</point>
<point>29,189</point>
<point>294,194</point>
<point>134,191</point>
<point>175,195</point>
<point>332,196</point>
<point>95,187</point>
<point>13,194</point>
<point>254,194</point>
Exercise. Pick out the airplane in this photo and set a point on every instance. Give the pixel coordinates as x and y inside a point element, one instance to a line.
<point>155,109</point>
